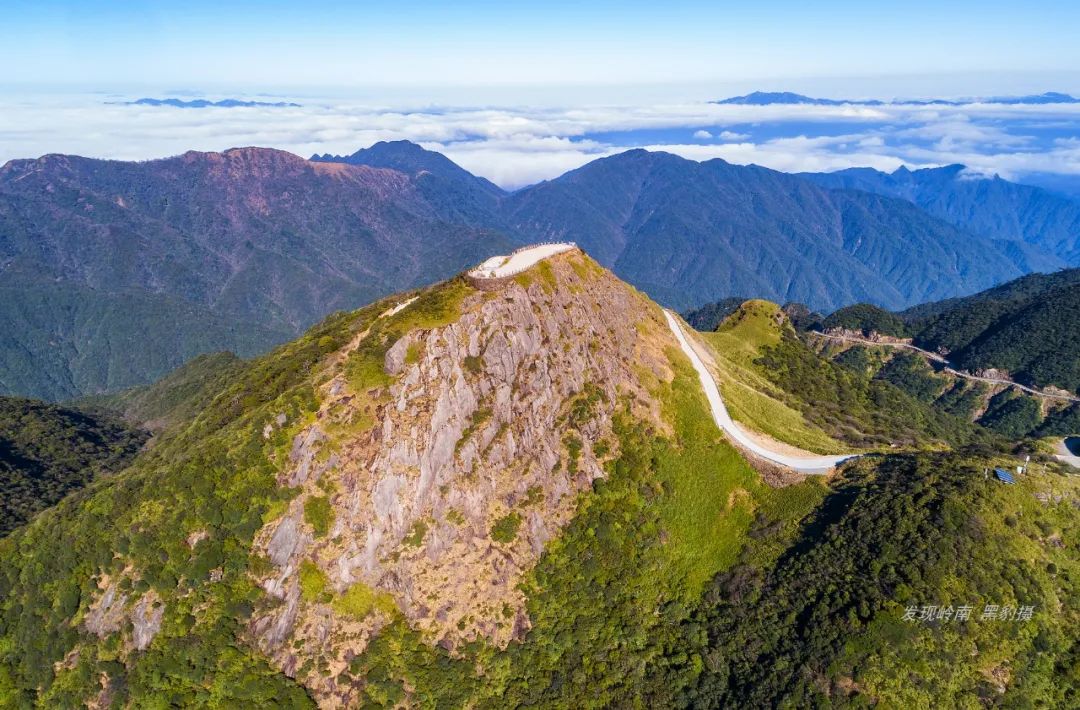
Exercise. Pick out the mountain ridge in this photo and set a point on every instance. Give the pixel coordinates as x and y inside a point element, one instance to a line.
<point>518,497</point>
<point>772,98</point>
<point>987,206</point>
<point>250,245</point>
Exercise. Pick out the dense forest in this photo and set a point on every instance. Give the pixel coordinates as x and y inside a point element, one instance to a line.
<point>892,408</point>
<point>1029,327</point>
<point>840,618</point>
<point>48,451</point>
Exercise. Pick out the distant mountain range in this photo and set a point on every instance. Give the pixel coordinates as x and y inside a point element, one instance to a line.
<point>1040,229</point>
<point>771,98</point>
<point>203,103</point>
<point>113,273</point>
<point>689,233</point>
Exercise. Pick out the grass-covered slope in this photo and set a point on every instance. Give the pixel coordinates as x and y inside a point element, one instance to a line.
<point>776,384</point>
<point>47,451</point>
<point>751,396</point>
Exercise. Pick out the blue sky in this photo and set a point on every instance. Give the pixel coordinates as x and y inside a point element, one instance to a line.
<point>482,43</point>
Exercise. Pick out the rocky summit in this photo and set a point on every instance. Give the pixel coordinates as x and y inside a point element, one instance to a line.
<point>444,475</point>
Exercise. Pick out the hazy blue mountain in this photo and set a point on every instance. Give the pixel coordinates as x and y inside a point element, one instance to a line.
<point>1044,227</point>
<point>788,98</point>
<point>204,103</point>
<point>769,98</point>
<point>457,195</point>
<point>408,157</point>
<point>689,233</point>
<point>119,272</point>
<point>1049,97</point>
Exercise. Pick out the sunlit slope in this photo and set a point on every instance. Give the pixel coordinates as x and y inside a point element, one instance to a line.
<point>749,395</point>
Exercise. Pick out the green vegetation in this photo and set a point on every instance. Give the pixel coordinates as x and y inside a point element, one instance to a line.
<point>473,364</point>
<point>47,452</point>
<point>314,586</point>
<point>708,318</point>
<point>64,341</point>
<point>1064,421</point>
<point>867,318</point>
<point>319,514</point>
<point>823,626</point>
<point>963,399</point>
<point>912,374</point>
<point>505,529</point>
<point>861,411</point>
<point>175,398</point>
<point>433,307</point>
<point>749,394</point>
<point>612,600</point>
<point>359,600</point>
<point>414,352</point>
<point>215,473</point>
<point>681,580</point>
<point>480,416</point>
<point>547,276</point>
<point>1024,327</point>
<point>1012,415</point>
<point>1031,337</point>
<point>415,538</point>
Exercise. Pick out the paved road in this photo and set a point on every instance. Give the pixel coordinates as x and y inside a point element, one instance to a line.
<point>1067,453</point>
<point>499,266</point>
<point>808,464</point>
<point>949,368</point>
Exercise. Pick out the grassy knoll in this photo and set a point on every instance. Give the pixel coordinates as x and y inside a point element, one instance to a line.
<point>751,398</point>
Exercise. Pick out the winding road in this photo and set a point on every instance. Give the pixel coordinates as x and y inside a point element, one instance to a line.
<point>948,366</point>
<point>807,464</point>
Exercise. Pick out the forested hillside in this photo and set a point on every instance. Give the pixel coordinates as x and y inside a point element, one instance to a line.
<point>114,273</point>
<point>47,452</point>
<point>1042,226</point>
<point>1029,327</point>
<point>584,537</point>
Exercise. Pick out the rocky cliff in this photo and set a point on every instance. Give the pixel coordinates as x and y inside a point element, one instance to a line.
<point>441,476</point>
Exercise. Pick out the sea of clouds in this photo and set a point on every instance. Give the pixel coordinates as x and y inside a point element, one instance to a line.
<point>516,145</point>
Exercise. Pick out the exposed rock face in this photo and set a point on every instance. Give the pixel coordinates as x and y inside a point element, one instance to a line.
<point>446,483</point>
<point>106,614</point>
<point>146,620</point>
<point>110,611</point>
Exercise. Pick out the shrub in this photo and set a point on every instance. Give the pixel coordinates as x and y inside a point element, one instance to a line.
<point>505,528</point>
<point>319,514</point>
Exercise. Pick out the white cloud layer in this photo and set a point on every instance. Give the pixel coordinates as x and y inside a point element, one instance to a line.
<point>519,145</point>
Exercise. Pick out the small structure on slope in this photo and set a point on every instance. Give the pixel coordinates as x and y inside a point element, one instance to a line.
<point>498,270</point>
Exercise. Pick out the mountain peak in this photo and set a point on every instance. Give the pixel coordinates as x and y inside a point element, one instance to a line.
<point>408,157</point>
